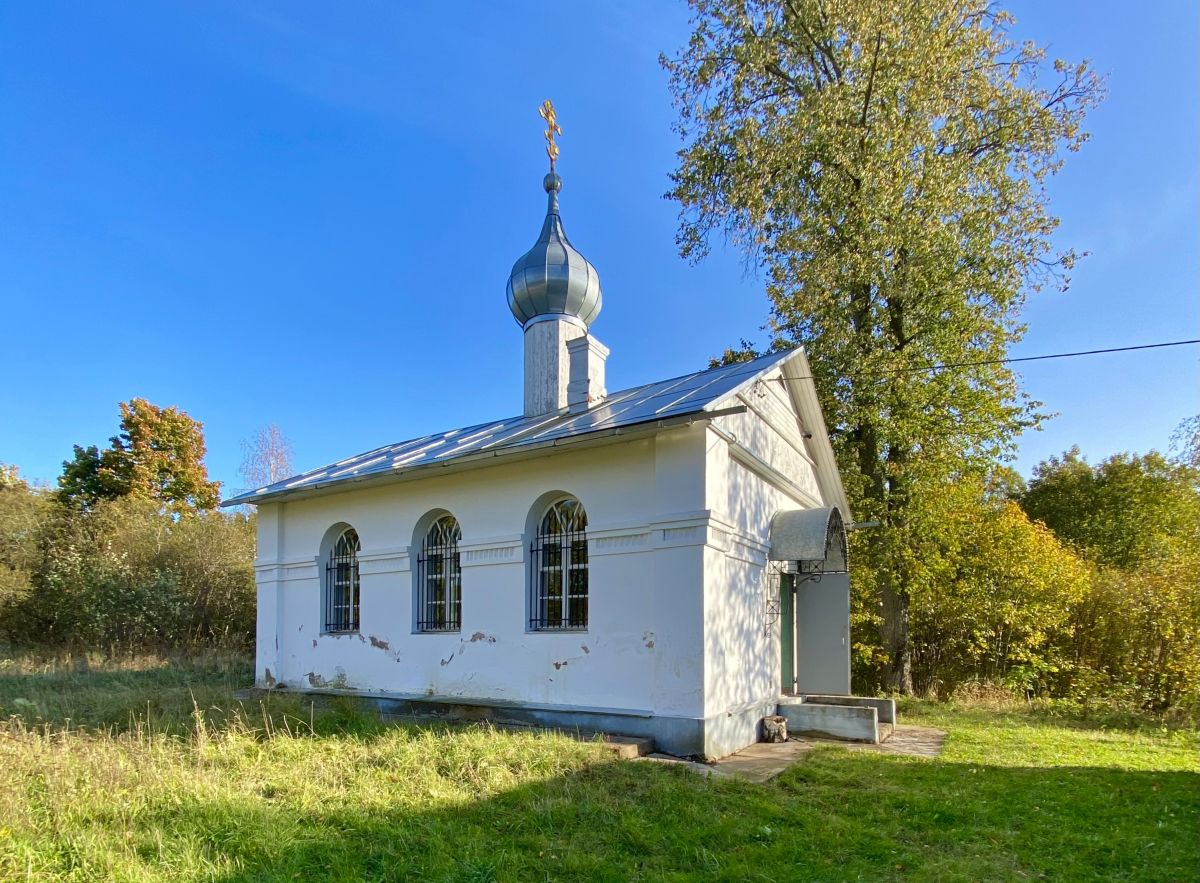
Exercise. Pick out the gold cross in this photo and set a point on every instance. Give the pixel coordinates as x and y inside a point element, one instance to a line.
<point>546,111</point>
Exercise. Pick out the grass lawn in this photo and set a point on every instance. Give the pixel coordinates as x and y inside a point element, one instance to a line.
<point>165,792</point>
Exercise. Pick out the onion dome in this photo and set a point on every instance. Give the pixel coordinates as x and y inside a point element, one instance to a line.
<point>552,278</point>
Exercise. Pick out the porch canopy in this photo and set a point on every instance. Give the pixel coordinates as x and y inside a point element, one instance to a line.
<point>813,538</point>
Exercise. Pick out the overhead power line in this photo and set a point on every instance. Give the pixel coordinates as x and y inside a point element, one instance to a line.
<point>1114,349</point>
<point>942,366</point>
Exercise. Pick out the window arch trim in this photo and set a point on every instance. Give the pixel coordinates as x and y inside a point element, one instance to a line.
<point>343,591</point>
<point>559,568</point>
<point>439,577</point>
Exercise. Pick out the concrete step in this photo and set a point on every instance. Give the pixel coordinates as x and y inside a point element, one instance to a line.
<point>885,732</point>
<point>852,721</point>
<point>885,707</point>
<point>627,747</point>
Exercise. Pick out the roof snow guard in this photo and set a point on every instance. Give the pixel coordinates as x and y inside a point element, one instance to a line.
<point>810,535</point>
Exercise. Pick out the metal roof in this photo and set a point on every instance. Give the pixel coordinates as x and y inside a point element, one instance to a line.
<point>677,397</point>
<point>809,535</point>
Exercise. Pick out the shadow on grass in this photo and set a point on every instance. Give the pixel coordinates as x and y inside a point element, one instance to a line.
<point>837,816</point>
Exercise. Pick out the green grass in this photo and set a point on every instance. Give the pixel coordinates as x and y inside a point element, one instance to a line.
<point>183,783</point>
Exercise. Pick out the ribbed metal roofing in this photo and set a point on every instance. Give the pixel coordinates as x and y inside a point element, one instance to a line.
<point>553,278</point>
<point>809,535</point>
<point>677,397</point>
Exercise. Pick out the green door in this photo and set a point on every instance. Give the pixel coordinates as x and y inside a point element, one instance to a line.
<point>787,631</point>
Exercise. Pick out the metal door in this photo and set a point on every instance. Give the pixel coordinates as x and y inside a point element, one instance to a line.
<point>787,632</point>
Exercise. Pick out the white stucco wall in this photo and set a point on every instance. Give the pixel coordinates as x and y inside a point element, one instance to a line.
<point>758,463</point>
<point>642,649</point>
<point>678,537</point>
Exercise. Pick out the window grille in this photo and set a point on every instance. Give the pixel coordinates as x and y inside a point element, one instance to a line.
<point>439,578</point>
<point>341,584</point>
<point>558,585</point>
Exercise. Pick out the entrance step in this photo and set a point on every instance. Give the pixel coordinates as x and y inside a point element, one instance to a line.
<point>627,747</point>
<point>885,707</point>
<point>852,718</point>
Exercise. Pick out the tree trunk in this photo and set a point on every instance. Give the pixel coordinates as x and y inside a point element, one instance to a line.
<point>896,583</point>
<point>898,676</point>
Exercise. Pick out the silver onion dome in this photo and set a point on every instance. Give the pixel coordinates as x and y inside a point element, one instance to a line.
<point>552,278</point>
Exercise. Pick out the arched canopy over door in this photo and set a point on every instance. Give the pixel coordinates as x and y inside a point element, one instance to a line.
<point>808,551</point>
<point>814,540</point>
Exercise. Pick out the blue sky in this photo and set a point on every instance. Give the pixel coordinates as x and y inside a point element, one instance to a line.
<point>304,213</point>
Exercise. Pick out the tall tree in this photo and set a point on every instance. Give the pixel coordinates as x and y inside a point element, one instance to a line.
<point>1138,519</point>
<point>1129,511</point>
<point>885,164</point>
<point>266,458</point>
<point>158,455</point>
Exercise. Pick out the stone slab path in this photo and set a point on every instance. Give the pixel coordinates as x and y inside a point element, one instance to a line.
<point>764,761</point>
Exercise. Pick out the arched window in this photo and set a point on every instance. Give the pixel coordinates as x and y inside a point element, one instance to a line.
<point>558,591</point>
<point>341,584</point>
<point>439,578</point>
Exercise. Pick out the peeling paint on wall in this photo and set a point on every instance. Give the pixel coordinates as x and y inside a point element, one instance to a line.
<point>268,678</point>
<point>489,668</point>
<point>339,681</point>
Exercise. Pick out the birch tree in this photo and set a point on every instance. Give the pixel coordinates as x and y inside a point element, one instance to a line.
<point>266,458</point>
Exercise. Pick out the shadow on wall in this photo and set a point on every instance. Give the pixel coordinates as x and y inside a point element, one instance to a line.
<point>740,640</point>
<point>835,816</point>
<point>739,636</point>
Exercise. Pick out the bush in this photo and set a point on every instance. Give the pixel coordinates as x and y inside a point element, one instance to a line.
<point>124,577</point>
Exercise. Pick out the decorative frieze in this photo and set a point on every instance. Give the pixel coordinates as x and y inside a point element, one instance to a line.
<point>474,557</point>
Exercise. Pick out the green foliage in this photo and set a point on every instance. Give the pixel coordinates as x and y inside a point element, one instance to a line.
<point>189,784</point>
<point>122,576</point>
<point>744,352</point>
<point>158,455</point>
<point>885,163</point>
<point>991,597</point>
<point>1126,512</point>
<point>22,512</point>
<point>1136,633</point>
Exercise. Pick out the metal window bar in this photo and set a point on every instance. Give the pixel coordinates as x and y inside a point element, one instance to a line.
<point>558,586</point>
<point>439,578</point>
<point>341,584</point>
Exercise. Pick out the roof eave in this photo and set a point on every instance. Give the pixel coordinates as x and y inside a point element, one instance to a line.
<point>803,390</point>
<point>485,458</point>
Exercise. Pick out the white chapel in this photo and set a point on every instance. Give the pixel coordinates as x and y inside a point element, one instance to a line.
<point>665,561</point>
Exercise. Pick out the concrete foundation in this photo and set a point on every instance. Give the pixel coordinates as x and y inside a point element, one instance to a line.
<point>707,738</point>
